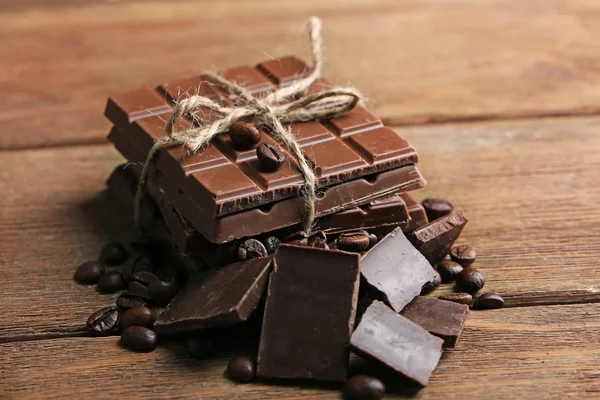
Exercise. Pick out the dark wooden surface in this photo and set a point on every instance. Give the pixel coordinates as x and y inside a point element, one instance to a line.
<point>529,182</point>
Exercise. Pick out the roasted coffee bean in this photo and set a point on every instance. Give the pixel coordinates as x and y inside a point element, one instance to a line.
<point>298,239</point>
<point>470,280</point>
<point>128,300</point>
<point>429,286</point>
<point>139,338</point>
<point>111,282</point>
<point>488,301</point>
<point>318,240</point>
<point>464,254</point>
<point>271,244</point>
<point>460,298</point>
<point>251,248</point>
<point>372,239</point>
<point>270,156</point>
<point>139,282</point>
<point>89,272</point>
<point>353,241</point>
<point>244,135</point>
<point>139,264</point>
<point>200,347</point>
<point>364,387</point>
<point>436,208</point>
<point>141,316</point>
<point>448,270</point>
<point>241,369</point>
<point>113,254</point>
<point>161,292</point>
<point>104,321</point>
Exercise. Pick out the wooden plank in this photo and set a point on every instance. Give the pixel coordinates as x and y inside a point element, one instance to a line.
<point>417,61</point>
<point>529,187</point>
<point>532,353</point>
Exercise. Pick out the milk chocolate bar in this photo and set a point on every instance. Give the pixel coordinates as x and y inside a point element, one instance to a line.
<point>276,215</point>
<point>309,314</point>
<point>223,179</point>
<point>397,342</point>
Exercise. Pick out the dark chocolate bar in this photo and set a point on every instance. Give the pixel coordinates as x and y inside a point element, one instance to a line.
<point>396,270</point>
<point>444,319</point>
<point>309,314</point>
<point>218,297</point>
<point>276,215</point>
<point>223,179</point>
<point>397,342</point>
<point>435,239</point>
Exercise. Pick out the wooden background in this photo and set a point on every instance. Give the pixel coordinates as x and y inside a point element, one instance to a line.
<point>500,97</point>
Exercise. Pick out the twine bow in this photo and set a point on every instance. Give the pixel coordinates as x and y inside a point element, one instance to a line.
<point>270,113</point>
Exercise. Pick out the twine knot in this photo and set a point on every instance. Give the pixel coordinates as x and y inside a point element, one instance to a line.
<point>270,113</point>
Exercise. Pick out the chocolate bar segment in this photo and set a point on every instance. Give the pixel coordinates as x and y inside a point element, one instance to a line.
<point>224,180</point>
<point>219,297</point>
<point>435,239</point>
<point>397,342</point>
<point>309,314</point>
<point>396,270</point>
<point>444,319</point>
<point>276,215</point>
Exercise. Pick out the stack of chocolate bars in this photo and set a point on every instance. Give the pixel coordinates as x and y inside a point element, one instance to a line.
<point>237,219</point>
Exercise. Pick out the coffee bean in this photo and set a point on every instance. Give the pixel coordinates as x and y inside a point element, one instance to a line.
<point>141,316</point>
<point>448,270</point>
<point>139,264</point>
<point>111,282</point>
<point>372,239</point>
<point>464,254</point>
<point>429,286</point>
<point>488,301</point>
<point>113,254</point>
<point>139,282</point>
<point>128,300</point>
<point>318,240</point>
<point>460,298</point>
<point>436,208</point>
<point>271,244</point>
<point>89,272</point>
<point>244,135</point>
<point>364,387</point>
<point>161,292</point>
<point>251,248</point>
<point>241,369</point>
<point>270,156</point>
<point>470,280</point>
<point>104,321</point>
<point>353,241</point>
<point>298,239</point>
<point>200,348</point>
<point>139,338</point>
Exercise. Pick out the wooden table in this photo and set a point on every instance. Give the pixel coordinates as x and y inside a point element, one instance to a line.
<point>500,97</point>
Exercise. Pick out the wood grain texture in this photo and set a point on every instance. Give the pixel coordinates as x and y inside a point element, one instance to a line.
<point>418,61</point>
<point>496,358</point>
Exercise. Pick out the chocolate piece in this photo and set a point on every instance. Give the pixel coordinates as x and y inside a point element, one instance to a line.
<point>418,217</point>
<point>219,297</point>
<point>223,180</point>
<point>397,342</point>
<point>309,314</point>
<point>429,286</point>
<point>435,239</point>
<point>396,270</point>
<point>276,215</point>
<point>441,318</point>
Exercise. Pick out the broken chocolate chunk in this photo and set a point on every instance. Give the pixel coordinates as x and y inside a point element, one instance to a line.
<point>435,239</point>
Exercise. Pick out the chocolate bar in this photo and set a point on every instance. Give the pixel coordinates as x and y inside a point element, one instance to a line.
<point>395,270</point>
<point>224,179</point>
<point>435,239</point>
<point>417,214</point>
<point>276,215</point>
<point>309,314</point>
<point>444,319</point>
<point>397,342</point>
<point>218,297</point>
